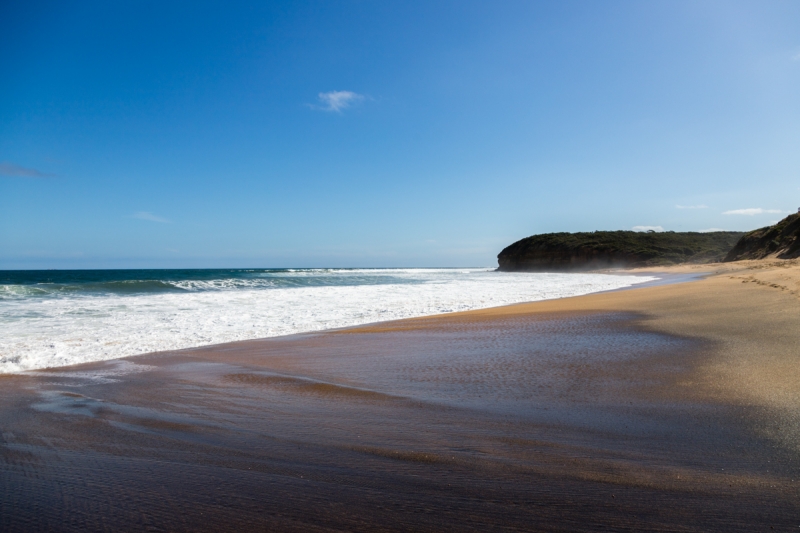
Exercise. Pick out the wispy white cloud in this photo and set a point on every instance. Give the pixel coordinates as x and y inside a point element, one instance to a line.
<point>648,228</point>
<point>750,211</point>
<point>701,206</point>
<point>337,100</point>
<point>709,230</point>
<point>16,171</point>
<point>146,215</point>
<point>796,56</point>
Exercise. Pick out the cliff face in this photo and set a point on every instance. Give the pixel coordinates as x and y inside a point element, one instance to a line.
<point>556,252</point>
<point>781,241</point>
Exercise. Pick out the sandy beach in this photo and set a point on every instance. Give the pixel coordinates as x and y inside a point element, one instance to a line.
<point>673,407</point>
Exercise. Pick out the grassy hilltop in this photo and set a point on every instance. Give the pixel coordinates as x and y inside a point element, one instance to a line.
<point>781,241</point>
<point>612,249</point>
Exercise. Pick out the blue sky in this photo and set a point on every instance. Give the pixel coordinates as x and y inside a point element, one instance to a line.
<point>227,134</point>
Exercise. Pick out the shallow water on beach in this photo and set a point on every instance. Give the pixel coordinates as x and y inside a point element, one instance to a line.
<point>561,422</point>
<point>58,318</point>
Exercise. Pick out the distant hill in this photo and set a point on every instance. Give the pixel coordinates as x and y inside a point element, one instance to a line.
<point>781,241</point>
<point>556,252</point>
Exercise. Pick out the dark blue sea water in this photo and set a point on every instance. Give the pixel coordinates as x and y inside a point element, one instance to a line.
<point>144,281</point>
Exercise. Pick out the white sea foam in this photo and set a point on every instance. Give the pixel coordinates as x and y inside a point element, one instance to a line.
<point>38,332</point>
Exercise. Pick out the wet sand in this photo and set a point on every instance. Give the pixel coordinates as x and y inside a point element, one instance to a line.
<point>666,408</point>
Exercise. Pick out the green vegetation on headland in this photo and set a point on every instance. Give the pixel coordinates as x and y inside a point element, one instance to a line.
<point>555,252</point>
<point>781,241</point>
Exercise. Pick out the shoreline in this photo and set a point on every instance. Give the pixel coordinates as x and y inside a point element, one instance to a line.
<point>84,343</point>
<point>668,407</point>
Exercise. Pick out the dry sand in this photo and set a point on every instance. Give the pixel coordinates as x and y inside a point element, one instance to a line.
<point>666,408</point>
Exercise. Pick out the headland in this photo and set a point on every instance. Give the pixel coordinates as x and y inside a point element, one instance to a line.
<point>573,252</point>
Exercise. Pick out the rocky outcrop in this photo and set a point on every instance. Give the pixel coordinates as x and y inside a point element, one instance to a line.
<point>559,252</point>
<point>781,241</point>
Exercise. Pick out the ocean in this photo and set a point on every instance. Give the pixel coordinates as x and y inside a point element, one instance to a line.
<point>59,317</point>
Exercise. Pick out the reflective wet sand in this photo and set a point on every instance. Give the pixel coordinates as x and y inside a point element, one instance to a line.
<point>620,412</point>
